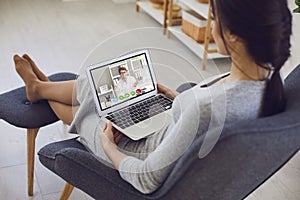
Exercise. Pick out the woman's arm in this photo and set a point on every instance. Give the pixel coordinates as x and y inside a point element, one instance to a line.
<point>146,175</point>
<point>167,91</point>
<point>109,140</point>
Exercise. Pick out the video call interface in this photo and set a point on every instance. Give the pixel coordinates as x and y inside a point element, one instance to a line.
<point>121,81</point>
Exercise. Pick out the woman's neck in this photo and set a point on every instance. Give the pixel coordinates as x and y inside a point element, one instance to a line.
<point>249,72</point>
<point>244,68</point>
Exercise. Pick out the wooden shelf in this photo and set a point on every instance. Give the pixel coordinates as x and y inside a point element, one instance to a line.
<point>195,47</point>
<point>200,8</point>
<point>201,50</point>
<point>153,12</point>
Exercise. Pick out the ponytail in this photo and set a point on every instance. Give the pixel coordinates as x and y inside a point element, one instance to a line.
<point>274,98</point>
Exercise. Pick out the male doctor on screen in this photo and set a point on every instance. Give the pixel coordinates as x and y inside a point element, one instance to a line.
<point>127,83</point>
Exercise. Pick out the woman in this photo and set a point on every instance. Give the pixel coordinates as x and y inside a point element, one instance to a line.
<point>255,33</point>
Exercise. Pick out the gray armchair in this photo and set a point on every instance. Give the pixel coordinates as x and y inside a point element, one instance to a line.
<point>246,155</point>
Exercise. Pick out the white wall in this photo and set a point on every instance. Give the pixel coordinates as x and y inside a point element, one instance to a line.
<point>295,41</point>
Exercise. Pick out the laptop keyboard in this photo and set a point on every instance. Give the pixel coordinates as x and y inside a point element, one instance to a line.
<point>141,111</point>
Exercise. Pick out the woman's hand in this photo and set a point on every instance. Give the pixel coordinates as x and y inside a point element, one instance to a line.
<point>171,94</point>
<point>110,136</point>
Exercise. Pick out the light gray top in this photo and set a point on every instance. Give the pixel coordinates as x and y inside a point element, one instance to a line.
<point>200,110</point>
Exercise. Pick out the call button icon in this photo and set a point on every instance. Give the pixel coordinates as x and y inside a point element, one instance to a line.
<point>138,91</point>
<point>127,95</point>
<point>121,97</point>
<point>132,93</point>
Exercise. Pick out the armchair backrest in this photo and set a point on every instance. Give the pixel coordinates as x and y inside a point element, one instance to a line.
<point>247,154</point>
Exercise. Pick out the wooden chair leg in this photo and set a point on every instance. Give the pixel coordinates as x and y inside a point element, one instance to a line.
<point>165,16</point>
<point>137,7</point>
<point>207,39</point>
<point>66,192</point>
<point>31,135</point>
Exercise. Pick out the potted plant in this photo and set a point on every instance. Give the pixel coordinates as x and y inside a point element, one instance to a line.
<point>297,10</point>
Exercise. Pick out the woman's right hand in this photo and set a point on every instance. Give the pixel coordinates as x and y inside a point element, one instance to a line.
<point>171,94</point>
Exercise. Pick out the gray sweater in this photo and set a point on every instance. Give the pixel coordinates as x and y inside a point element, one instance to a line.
<point>200,110</point>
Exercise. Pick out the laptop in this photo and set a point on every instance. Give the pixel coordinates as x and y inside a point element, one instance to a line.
<point>125,93</point>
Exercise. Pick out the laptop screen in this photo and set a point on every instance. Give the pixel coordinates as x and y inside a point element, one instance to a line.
<point>122,80</point>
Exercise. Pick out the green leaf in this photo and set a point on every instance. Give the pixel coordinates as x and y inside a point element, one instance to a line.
<point>297,10</point>
<point>297,2</point>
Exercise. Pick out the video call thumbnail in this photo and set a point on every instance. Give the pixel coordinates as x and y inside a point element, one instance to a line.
<point>121,81</point>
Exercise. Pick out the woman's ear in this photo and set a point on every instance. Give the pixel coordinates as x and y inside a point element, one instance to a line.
<point>233,38</point>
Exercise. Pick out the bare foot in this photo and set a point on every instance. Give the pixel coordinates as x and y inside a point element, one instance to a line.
<point>25,71</point>
<point>35,69</point>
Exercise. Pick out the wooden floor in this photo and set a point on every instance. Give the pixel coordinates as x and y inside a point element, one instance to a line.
<point>64,35</point>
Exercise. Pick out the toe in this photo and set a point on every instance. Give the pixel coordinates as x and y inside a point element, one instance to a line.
<point>27,57</point>
<point>29,60</point>
<point>17,58</point>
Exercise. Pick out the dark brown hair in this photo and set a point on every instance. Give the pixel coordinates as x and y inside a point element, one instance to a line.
<point>265,26</point>
<point>122,68</point>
